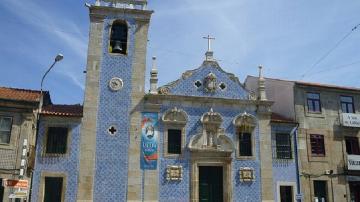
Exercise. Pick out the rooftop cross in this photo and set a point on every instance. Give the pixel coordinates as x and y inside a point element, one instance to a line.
<point>209,42</point>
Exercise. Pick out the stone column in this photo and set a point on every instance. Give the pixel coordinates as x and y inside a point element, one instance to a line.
<point>265,153</point>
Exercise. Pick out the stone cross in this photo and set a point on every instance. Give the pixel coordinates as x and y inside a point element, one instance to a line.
<point>209,42</point>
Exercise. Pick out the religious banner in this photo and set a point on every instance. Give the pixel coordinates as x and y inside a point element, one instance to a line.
<point>149,141</point>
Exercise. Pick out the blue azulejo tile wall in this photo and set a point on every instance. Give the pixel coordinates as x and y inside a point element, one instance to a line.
<point>111,164</point>
<point>67,164</point>
<point>284,170</point>
<point>180,190</point>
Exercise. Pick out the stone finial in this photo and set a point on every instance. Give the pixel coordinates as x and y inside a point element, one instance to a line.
<point>261,83</point>
<point>97,3</point>
<point>153,77</point>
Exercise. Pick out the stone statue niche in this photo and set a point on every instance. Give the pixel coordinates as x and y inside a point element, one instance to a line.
<point>212,137</point>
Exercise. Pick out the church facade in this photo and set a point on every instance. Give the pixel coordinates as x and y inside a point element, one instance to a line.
<point>203,137</point>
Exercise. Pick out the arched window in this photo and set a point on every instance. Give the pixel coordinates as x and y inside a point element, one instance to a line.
<point>118,37</point>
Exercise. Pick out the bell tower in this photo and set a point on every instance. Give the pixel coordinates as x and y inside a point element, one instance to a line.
<point>113,94</point>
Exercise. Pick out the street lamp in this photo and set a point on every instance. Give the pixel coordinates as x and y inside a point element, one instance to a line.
<point>58,58</point>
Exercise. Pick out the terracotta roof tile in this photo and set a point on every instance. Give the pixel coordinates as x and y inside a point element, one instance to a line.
<point>63,110</point>
<point>20,94</point>
<point>275,117</point>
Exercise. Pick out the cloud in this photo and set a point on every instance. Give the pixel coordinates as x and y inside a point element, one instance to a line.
<point>62,31</point>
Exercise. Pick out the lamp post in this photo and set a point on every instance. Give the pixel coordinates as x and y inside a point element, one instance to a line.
<point>58,58</point>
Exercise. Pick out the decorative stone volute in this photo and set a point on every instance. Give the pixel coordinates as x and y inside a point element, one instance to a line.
<point>211,118</point>
<point>175,116</point>
<point>245,122</point>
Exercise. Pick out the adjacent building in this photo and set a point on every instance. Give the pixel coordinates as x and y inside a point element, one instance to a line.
<point>57,154</point>
<point>328,135</point>
<point>18,115</point>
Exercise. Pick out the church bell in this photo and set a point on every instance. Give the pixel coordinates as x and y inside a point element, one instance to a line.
<point>117,47</point>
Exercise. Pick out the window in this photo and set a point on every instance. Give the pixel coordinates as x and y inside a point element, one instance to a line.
<point>53,189</point>
<point>352,145</point>
<point>56,142</point>
<point>245,147</point>
<point>320,190</point>
<point>174,141</point>
<point>5,129</point>
<point>283,146</point>
<point>313,102</point>
<point>1,191</point>
<point>347,104</point>
<point>286,194</point>
<point>317,145</point>
<point>118,37</point>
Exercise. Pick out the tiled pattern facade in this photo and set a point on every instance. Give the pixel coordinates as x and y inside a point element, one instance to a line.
<point>112,151</point>
<point>8,158</point>
<point>284,170</point>
<point>180,191</point>
<point>186,86</point>
<point>67,164</point>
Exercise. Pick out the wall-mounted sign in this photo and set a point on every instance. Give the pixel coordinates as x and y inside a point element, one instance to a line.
<point>19,194</point>
<point>247,174</point>
<point>351,120</point>
<point>353,162</point>
<point>11,183</point>
<point>174,173</point>
<point>149,141</point>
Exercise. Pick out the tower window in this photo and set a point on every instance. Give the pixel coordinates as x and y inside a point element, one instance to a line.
<point>118,37</point>
<point>56,142</point>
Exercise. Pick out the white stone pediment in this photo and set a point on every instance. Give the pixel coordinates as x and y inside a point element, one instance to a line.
<point>220,143</point>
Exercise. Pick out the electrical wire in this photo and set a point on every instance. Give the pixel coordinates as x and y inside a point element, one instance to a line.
<point>335,68</point>
<point>330,51</point>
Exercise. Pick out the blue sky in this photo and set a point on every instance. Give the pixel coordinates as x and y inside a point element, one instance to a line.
<point>286,37</point>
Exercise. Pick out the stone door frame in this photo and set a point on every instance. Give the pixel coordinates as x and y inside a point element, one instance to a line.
<point>210,160</point>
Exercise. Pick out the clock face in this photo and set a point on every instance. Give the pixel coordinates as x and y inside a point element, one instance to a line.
<point>116,84</point>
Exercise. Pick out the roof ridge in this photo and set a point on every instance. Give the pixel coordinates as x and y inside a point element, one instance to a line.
<point>21,89</point>
<point>325,85</point>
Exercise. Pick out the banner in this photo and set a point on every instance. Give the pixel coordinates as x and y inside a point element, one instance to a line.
<point>149,141</point>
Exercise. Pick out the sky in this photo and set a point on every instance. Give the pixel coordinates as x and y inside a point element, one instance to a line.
<point>294,40</point>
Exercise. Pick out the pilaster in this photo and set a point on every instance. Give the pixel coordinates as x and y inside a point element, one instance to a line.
<point>265,153</point>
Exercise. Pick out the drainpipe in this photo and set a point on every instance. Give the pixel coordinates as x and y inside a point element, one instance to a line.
<point>296,155</point>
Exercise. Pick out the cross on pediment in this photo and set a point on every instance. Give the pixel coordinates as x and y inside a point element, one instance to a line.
<point>209,42</point>
<point>112,130</point>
